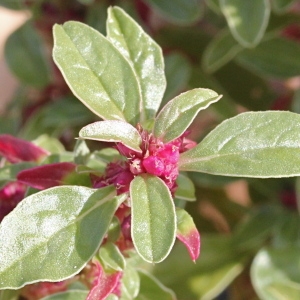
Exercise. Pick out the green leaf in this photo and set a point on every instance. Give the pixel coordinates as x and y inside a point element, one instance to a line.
<point>281,6</point>
<point>214,5</point>
<point>113,131</point>
<point>68,295</point>
<point>209,285</point>
<point>97,72</point>
<point>176,116</point>
<point>153,223</point>
<point>178,71</point>
<point>267,59</point>
<point>111,257</point>
<point>9,172</point>
<point>181,12</point>
<point>51,235</point>
<point>253,144</point>
<point>275,273</point>
<point>151,288</point>
<point>185,189</point>
<point>220,50</point>
<point>9,295</point>
<point>81,152</point>
<point>144,55</point>
<point>247,20</point>
<point>130,283</point>
<point>25,55</point>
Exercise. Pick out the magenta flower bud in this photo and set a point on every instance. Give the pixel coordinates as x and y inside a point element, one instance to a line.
<point>154,165</point>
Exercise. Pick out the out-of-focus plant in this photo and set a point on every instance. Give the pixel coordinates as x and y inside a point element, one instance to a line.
<point>246,50</point>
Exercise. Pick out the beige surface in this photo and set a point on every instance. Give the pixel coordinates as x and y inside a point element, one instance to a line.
<point>9,21</point>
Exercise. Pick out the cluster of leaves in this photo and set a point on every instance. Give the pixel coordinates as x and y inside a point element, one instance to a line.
<point>237,53</point>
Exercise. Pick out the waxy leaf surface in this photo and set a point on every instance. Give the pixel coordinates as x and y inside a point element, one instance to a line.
<point>253,144</point>
<point>178,114</point>
<point>187,233</point>
<point>97,72</point>
<point>143,54</point>
<point>247,20</point>
<point>113,131</point>
<point>51,235</point>
<point>185,189</point>
<point>153,223</point>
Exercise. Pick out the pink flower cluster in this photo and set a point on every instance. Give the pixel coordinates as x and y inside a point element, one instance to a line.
<point>157,158</point>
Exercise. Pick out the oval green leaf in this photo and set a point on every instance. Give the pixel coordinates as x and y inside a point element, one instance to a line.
<point>111,257</point>
<point>25,56</point>
<point>267,59</point>
<point>97,72</point>
<point>153,221</point>
<point>176,116</point>
<point>51,235</point>
<point>247,20</point>
<point>113,131</point>
<point>222,48</point>
<point>180,11</point>
<point>185,189</point>
<point>275,273</point>
<point>130,283</point>
<point>143,53</point>
<point>253,144</point>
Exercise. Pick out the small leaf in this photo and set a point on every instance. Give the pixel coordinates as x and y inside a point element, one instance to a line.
<point>181,12</point>
<point>275,273</point>
<point>51,235</point>
<point>111,257</point>
<point>153,223</point>
<point>253,144</point>
<point>46,176</point>
<point>176,116</point>
<point>187,233</point>
<point>9,172</point>
<point>113,131</point>
<point>130,283</point>
<point>185,189</point>
<point>96,72</point>
<point>68,295</point>
<point>9,295</point>
<point>16,150</point>
<point>247,20</point>
<point>151,288</point>
<point>267,59</point>
<point>281,6</point>
<point>25,55</point>
<point>81,152</point>
<point>143,54</point>
<point>220,50</point>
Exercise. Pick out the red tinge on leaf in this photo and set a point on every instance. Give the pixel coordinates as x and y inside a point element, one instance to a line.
<point>46,176</point>
<point>187,233</point>
<point>104,284</point>
<point>16,150</point>
<point>10,195</point>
